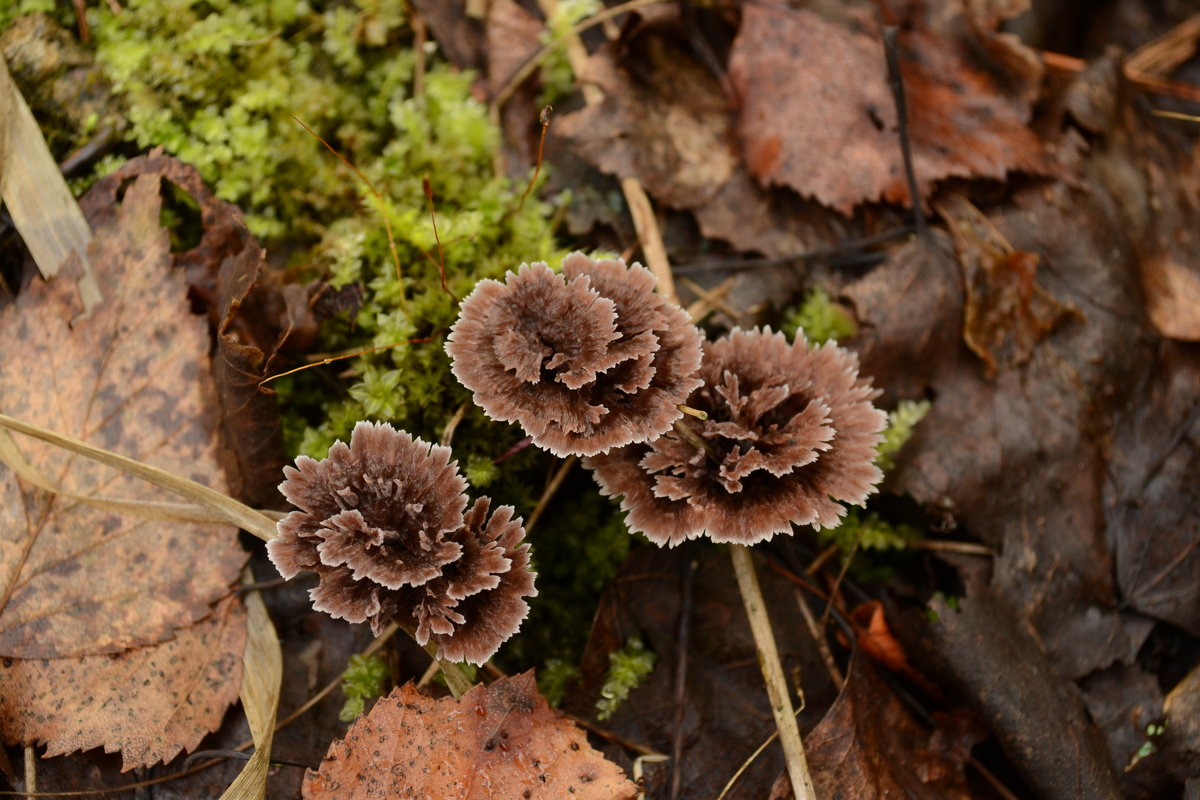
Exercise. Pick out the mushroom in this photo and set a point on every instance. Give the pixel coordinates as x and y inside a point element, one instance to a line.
<point>381,522</point>
<point>585,361</point>
<point>790,436</point>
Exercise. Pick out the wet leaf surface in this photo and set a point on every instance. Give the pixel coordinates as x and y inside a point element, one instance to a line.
<point>828,129</point>
<point>501,740</point>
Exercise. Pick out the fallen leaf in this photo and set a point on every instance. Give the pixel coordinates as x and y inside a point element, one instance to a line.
<point>149,703</point>
<point>223,273</point>
<point>1151,494</point>
<point>1123,701</point>
<point>816,112</point>
<point>501,740</point>
<point>460,37</point>
<point>876,640</point>
<point>666,120</point>
<point>1170,275</point>
<point>869,746</point>
<point>513,37</point>
<point>75,580</point>
<point>1007,312</point>
<point>972,458</point>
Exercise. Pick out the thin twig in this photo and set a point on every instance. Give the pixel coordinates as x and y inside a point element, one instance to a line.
<point>897,83</point>
<point>452,425</point>
<point>551,488</point>
<point>818,634</point>
<point>772,669</point>
<point>30,769</point>
<point>963,548</point>
<point>837,584</point>
<point>681,666</point>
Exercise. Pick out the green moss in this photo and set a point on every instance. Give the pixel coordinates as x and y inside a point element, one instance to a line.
<point>820,319</point>
<point>216,82</point>
<point>627,668</point>
<point>363,680</point>
<point>553,678</point>
<point>901,422</point>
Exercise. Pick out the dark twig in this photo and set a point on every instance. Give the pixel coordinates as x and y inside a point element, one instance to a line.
<point>685,624</point>
<point>897,82</point>
<point>838,254</point>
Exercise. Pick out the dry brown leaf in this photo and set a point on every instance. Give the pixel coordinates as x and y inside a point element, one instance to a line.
<point>869,746</point>
<point>500,740</point>
<point>75,580</point>
<point>817,114</point>
<point>149,703</point>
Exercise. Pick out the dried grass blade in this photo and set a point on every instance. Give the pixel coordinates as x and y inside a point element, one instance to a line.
<point>42,208</point>
<point>227,509</point>
<point>262,677</point>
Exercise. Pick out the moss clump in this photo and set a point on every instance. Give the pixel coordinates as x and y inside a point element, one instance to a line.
<point>820,319</point>
<point>363,680</point>
<point>627,668</point>
<point>216,83</point>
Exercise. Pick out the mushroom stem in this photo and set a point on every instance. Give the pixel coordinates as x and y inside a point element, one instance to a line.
<point>456,680</point>
<point>772,670</point>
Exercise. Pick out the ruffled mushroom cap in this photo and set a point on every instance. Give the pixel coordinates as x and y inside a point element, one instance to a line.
<point>381,523</point>
<point>478,602</point>
<point>585,361</point>
<point>790,436</point>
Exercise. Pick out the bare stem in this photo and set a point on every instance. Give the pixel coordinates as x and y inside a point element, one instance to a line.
<point>772,669</point>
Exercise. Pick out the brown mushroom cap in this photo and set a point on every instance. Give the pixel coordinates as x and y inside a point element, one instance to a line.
<point>790,436</point>
<point>381,522</point>
<point>585,361</point>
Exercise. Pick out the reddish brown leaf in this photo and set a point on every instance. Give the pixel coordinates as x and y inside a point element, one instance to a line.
<point>1007,313</point>
<point>500,740</point>
<point>133,378</point>
<point>817,114</point>
<point>149,702</point>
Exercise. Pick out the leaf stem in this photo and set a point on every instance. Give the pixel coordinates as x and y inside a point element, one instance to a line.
<point>772,670</point>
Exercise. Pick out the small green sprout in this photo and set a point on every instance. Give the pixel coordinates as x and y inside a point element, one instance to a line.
<point>819,318</point>
<point>553,678</point>
<point>627,668</point>
<point>901,422</point>
<point>363,680</point>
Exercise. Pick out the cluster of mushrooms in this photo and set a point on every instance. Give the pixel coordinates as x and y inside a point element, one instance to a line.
<point>590,362</point>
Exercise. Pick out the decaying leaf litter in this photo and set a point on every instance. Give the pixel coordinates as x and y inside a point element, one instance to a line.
<point>1048,313</point>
